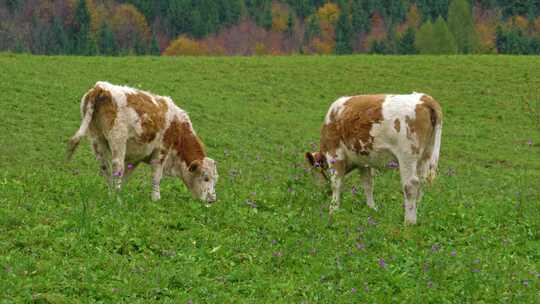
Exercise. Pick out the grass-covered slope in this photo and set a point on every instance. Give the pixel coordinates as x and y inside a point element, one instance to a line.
<point>62,238</point>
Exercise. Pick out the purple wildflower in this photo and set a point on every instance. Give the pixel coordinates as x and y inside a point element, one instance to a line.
<point>526,282</point>
<point>117,173</point>
<point>392,164</point>
<point>130,166</point>
<point>353,290</point>
<point>382,263</point>
<point>453,253</point>
<point>290,190</point>
<point>435,247</point>
<point>354,190</point>
<point>274,242</point>
<point>251,204</point>
<point>333,160</point>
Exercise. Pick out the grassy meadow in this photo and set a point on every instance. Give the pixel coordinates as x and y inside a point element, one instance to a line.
<point>63,239</point>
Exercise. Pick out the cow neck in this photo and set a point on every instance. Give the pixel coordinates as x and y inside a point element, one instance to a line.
<point>189,147</point>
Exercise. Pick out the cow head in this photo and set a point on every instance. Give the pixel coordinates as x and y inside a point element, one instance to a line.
<point>317,161</point>
<point>201,177</point>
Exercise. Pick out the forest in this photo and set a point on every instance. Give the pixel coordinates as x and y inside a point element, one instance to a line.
<point>266,27</point>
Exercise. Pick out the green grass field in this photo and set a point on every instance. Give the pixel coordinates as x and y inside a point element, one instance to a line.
<point>267,239</point>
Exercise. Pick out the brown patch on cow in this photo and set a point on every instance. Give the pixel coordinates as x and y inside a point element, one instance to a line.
<point>397,125</point>
<point>151,114</point>
<point>105,109</point>
<point>353,125</point>
<point>180,137</point>
<point>428,115</point>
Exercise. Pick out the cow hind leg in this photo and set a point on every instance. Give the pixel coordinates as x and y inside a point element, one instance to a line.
<point>367,183</point>
<point>100,149</point>
<point>411,188</point>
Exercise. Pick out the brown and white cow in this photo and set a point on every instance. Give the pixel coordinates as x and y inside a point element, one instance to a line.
<point>127,126</point>
<point>365,132</point>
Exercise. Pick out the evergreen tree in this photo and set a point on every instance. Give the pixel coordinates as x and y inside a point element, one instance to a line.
<point>444,42</point>
<point>313,28</point>
<point>81,30</point>
<point>140,45</point>
<point>59,43</point>
<point>290,25</point>
<point>106,41</point>
<point>423,41</point>
<point>377,47</point>
<point>154,46</point>
<point>461,25</point>
<point>406,43</point>
<point>343,34</point>
<point>359,18</point>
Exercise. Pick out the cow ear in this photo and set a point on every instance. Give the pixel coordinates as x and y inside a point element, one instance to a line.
<point>310,158</point>
<point>194,166</point>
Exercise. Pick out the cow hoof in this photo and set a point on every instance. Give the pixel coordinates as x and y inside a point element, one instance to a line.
<point>410,222</point>
<point>156,197</point>
<point>373,207</point>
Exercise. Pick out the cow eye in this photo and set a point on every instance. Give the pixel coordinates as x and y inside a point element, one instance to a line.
<point>206,179</point>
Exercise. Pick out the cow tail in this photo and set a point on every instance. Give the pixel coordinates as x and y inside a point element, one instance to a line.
<point>436,120</point>
<point>87,109</point>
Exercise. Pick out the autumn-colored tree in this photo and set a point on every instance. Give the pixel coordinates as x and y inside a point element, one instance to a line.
<point>318,46</point>
<point>486,24</point>
<point>329,13</point>
<point>185,46</point>
<point>280,14</point>
<point>413,18</point>
<point>130,28</point>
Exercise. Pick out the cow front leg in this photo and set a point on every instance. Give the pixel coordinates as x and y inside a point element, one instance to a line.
<point>411,189</point>
<point>157,173</point>
<point>337,172</point>
<point>367,183</point>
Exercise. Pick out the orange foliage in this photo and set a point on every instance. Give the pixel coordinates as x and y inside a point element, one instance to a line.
<point>280,14</point>
<point>414,18</point>
<point>260,49</point>
<point>378,28</point>
<point>537,25</point>
<point>127,23</point>
<point>329,13</point>
<point>486,22</point>
<point>184,46</point>
<point>519,21</point>
<point>319,46</point>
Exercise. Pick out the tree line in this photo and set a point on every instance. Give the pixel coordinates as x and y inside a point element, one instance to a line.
<point>247,27</point>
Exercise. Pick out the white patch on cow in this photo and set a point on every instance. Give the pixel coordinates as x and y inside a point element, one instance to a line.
<point>337,107</point>
<point>399,106</point>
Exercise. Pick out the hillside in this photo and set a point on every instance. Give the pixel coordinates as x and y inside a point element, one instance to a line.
<point>267,239</point>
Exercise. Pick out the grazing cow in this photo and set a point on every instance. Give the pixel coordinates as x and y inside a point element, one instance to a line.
<point>365,132</point>
<point>128,126</point>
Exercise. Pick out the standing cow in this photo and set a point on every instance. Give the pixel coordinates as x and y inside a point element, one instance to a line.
<point>365,132</point>
<point>127,126</point>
